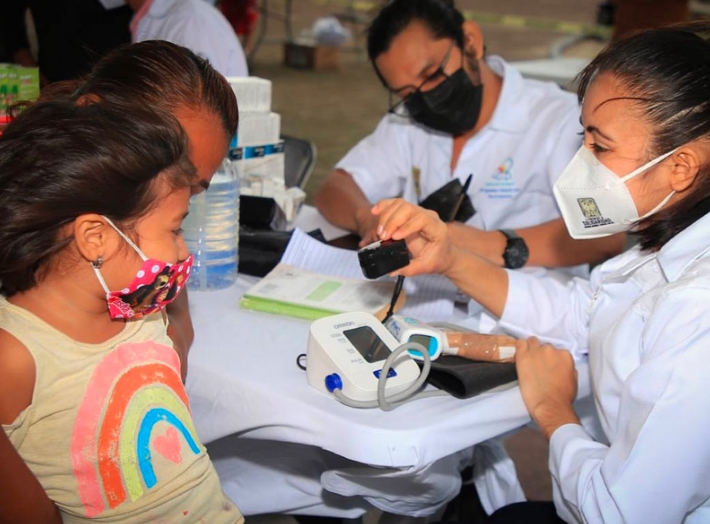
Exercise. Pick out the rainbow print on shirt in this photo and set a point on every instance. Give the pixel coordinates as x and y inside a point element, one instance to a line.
<point>135,406</point>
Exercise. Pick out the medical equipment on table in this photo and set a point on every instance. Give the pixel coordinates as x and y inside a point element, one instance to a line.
<point>355,358</point>
<point>408,329</point>
<point>382,257</point>
<point>442,338</point>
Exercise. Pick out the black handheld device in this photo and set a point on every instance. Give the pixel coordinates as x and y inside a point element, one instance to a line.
<point>380,258</point>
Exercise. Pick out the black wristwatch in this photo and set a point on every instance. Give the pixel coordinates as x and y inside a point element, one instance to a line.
<point>516,250</point>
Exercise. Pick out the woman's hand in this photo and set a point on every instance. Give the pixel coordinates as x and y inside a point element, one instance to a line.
<point>548,383</point>
<point>432,251</point>
<point>426,235</point>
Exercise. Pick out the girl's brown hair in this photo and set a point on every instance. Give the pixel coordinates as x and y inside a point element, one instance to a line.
<point>59,160</point>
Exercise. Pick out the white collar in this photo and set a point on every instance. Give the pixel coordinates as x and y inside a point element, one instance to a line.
<point>685,248</point>
<point>512,95</point>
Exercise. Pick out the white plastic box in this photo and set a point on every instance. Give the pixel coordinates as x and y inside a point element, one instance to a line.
<point>261,168</point>
<point>256,129</point>
<point>253,93</point>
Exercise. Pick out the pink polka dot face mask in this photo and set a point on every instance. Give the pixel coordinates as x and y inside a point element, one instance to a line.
<point>155,285</point>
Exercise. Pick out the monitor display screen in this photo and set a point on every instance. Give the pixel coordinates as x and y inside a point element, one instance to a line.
<point>368,343</point>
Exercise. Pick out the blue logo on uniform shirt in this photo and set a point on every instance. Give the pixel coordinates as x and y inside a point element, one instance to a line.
<point>501,185</point>
<point>503,172</point>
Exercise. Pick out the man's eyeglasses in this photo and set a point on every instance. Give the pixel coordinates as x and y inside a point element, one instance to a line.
<point>397,107</point>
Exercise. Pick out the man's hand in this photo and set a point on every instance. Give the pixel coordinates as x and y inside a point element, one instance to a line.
<point>341,201</point>
<point>366,225</point>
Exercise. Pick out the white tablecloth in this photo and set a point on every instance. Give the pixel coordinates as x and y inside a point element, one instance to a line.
<point>243,381</point>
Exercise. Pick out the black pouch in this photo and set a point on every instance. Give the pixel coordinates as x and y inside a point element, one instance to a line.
<point>464,378</point>
<point>261,249</point>
<point>256,212</point>
<point>444,199</point>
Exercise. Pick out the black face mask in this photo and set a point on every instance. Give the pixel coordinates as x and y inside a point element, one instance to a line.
<point>451,107</point>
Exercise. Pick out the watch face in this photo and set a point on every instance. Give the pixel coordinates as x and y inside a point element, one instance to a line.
<point>516,253</point>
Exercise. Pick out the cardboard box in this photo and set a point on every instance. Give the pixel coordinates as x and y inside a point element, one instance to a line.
<point>28,83</point>
<point>5,97</point>
<point>16,84</point>
<point>311,56</point>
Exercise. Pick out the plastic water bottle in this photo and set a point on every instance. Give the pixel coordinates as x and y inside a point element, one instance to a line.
<point>211,231</point>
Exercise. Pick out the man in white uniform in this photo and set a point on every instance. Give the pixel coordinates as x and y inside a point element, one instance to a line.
<point>193,24</point>
<point>459,113</point>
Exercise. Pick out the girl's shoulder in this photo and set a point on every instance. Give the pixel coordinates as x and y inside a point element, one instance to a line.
<point>17,377</point>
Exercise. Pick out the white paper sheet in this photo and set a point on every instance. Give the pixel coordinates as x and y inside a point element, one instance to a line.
<point>429,297</point>
<point>296,291</point>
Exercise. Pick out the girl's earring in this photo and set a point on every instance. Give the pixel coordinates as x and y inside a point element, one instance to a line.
<point>98,262</point>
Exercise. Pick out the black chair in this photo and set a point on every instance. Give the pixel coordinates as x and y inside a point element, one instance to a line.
<point>300,160</point>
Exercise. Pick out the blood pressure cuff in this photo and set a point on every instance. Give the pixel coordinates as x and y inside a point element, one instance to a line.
<point>464,378</point>
<point>445,198</point>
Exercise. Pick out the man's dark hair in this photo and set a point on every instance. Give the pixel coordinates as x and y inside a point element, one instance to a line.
<point>157,73</point>
<point>440,16</point>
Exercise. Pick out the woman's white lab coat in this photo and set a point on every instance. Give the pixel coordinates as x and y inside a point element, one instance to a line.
<point>644,320</point>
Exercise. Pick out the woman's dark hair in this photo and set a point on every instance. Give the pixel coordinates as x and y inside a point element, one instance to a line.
<point>667,74</point>
<point>440,16</point>
<point>157,73</point>
<point>59,160</point>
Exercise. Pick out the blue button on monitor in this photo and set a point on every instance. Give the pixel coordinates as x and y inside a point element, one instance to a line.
<point>391,373</point>
<point>333,382</point>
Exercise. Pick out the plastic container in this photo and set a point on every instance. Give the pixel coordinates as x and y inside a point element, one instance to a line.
<point>211,231</point>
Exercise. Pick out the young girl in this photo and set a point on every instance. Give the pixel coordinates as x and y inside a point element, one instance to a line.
<point>160,74</point>
<point>91,203</point>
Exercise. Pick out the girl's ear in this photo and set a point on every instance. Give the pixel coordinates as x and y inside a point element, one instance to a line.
<point>473,40</point>
<point>686,165</point>
<point>94,237</point>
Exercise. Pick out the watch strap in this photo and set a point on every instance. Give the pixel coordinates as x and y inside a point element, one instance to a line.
<point>509,233</point>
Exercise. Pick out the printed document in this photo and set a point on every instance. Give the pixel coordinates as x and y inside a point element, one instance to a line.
<point>429,297</point>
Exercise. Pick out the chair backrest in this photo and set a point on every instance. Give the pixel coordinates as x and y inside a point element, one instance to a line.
<point>300,160</point>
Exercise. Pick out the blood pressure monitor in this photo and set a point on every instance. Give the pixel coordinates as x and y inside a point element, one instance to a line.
<point>347,352</point>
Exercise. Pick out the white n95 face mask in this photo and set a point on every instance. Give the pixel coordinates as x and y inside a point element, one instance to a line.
<point>594,201</point>
<point>112,4</point>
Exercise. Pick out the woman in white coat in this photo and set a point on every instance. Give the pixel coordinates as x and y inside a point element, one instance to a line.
<point>643,317</point>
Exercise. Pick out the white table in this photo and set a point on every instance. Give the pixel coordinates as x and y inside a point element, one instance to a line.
<point>243,380</point>
<point>281,446</point>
